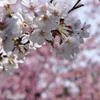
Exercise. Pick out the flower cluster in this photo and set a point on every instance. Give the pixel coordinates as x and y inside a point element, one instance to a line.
<point>26,25</point>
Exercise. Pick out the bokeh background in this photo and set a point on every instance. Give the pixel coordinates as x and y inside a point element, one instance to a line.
<point>43,76</point>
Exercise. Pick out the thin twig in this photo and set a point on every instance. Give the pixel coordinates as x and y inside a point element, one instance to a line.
<point>51,1</point>
<point>74,7</point>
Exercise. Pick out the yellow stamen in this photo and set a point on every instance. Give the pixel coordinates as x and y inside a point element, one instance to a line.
<point>3,68</point>
<point>9,62</point>
<point>44,18</point>
<point>41,33</point>
<point>68,41</point>
<point>31,8</point>
<point>55,13</point>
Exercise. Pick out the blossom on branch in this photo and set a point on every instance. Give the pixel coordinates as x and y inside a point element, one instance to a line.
<point>34,24</point>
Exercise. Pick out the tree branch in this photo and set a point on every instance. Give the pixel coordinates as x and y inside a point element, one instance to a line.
<point>51,1</point>
<point>76,6</point>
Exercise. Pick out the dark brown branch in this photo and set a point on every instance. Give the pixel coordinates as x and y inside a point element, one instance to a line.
<point>51,1</point>
<point>75,6</point>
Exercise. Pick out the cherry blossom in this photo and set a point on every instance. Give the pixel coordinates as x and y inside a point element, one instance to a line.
<point>43,76</point>
<point>30,5</point>
<point>4,2</point>
<point>68,47</point>
<point>34,24</point>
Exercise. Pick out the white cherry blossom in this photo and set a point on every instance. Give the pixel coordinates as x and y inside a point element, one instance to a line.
<point>39,36</point>
<point>4,2</point>
<point>30,5</point>
<point>58,9</point>
<point>67,48</point>
<point>24,29</point>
